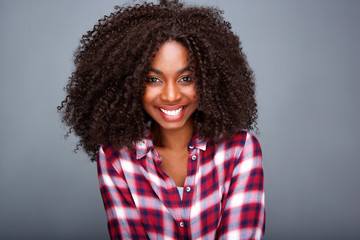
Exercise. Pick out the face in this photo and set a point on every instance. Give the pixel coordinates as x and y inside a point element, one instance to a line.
<point>170,97</point>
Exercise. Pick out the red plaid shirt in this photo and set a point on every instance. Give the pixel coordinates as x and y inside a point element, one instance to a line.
<point>223,191</point>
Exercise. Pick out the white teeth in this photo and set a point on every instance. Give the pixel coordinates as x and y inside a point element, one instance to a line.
<point>173,112</point>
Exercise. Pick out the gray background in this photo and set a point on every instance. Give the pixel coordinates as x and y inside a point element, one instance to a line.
<point>306,58</point>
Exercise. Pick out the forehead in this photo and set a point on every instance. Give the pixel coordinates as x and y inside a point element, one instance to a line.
<point>171,55</point>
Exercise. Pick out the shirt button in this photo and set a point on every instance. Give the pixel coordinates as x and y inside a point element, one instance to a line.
<point>182,224</point>
<point>188,189</point>
<point>193,157</point>
<point>191,147</point>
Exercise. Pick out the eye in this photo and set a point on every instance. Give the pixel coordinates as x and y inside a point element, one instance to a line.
<point>186,79</point>
<point>153,80</point>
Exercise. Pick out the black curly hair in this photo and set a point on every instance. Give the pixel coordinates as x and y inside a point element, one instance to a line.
<point>103,102</point>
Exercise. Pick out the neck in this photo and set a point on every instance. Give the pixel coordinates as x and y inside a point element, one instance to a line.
<point>173,139</point>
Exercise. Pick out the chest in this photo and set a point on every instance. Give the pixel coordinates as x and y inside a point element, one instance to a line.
<point>175,165</point>
<point>150,182</point>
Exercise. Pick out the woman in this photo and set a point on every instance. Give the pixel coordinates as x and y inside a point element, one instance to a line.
<point>161,98</point>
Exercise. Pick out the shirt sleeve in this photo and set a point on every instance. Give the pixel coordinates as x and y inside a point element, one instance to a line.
<point>123,218</point>
<point>243,216</point>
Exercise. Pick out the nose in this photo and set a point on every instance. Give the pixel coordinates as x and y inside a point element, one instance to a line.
<point>171,93</point>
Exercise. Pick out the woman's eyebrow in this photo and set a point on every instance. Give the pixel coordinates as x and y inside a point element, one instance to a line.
<point>156,71</point>
<point>187,68</point>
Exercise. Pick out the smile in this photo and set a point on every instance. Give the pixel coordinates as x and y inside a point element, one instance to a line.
<point>172,112</point>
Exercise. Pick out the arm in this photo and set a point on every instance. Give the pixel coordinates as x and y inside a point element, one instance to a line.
<point>122,216</point>
<point>243,216</point>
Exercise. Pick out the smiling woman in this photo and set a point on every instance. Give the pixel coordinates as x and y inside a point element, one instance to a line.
<point>170,97</point>
<point>162,97</point>
<point>170,100</point>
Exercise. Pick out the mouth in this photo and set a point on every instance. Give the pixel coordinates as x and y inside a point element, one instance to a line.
<point>172,113</point>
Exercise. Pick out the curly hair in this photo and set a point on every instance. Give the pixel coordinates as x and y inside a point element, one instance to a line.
<point>103,103</point>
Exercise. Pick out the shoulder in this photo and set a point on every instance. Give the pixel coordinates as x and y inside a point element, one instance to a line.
<point>250,144</point>
<point>115,153</point>
<point>243,145</point>
<point>242,139</point>
<point>109,154</point>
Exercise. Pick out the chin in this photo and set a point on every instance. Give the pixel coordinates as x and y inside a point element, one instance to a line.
<point>173,125</point>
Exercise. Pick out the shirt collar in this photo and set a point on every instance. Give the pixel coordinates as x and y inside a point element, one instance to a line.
<point>198,143</point>
<point>144,145</point>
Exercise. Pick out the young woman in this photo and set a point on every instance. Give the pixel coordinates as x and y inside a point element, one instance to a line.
<point>161,98</point>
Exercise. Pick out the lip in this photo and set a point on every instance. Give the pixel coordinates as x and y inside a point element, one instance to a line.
<point>172,108</point>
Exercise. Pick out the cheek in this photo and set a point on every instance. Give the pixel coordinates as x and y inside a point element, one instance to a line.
<point>192,94</point>
<point>148,97</point>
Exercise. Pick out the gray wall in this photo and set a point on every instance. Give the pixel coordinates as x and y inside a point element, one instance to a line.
<point>306,58</point>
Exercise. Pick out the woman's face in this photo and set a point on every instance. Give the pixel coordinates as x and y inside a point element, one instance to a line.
<point>170,97</point>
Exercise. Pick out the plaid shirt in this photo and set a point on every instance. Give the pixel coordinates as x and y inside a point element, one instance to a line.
<point>223,191</point>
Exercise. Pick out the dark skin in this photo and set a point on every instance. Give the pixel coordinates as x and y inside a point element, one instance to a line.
<point>170,99</point>
<point>172,146</point>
